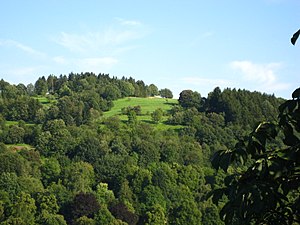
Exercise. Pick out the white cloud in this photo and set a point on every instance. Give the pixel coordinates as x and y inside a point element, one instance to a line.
<point>108,40</point>
<point>263,76</point>
<point>129,22</point>
<point>24,48</point>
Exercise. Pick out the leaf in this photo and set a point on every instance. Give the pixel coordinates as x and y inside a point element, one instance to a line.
<point>225,160</point>
<point>289,104</point>
<point>290,139</point>
<point>216,159</point>
<point>217,195</point>
<point>228,180</point>
<point>295,37</point>
<point>296,94</point>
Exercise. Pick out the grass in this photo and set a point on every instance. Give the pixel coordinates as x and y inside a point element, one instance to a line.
<point>42,99</point>
<point>148,105</point>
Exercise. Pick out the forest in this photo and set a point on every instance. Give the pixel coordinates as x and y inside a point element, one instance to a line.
<point>66,160</point>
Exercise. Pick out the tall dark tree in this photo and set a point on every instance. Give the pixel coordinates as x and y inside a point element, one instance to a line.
<point>41,86</point>
<point>189,99</point>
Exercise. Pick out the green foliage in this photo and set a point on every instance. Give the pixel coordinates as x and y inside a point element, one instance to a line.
<point>156,216</point>
<point>24,208</point>
<point>152,90</point>
<point>12,162</point>
<point>166,93</point>
<point>157,115</point>
<point>189,99</point>
<point>79,161</point>
<point>103,194</point>
<point>41,86</point>
<point>79,177</point>
<point>50,170</point>
<point>267,191</point>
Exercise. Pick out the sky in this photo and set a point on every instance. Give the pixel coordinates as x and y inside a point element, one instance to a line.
<point>174,44</point>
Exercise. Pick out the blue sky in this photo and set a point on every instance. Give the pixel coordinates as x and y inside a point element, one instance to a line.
<point>175,44</point>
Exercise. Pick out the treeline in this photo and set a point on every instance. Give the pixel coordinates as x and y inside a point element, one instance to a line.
<point>80,168</point>
<point>80,97</point>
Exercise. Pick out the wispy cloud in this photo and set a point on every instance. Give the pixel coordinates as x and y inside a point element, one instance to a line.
<point>262,76</point>
<point>20,74</point>
<point>198,40</point>
<point>129,22</point>
<point>109,40</point>
<point>24,48</point>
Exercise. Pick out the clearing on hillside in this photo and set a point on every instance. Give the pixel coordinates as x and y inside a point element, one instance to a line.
<point>148,105</point>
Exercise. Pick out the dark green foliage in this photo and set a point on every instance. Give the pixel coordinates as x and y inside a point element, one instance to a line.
<point>266,192</point>
<point>120,211</point>
<point>166,93</point>
<point>12,162</point>
<point>189,99</point>
<point>84,204</point>
<point>41,86</point>
<point>136,109</point>
<point>242,107</point>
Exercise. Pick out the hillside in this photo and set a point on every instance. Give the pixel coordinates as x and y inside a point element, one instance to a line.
<point>89,145</point>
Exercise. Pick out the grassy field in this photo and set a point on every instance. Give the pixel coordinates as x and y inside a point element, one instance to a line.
<point>42,99</point>
<point>148,105</point>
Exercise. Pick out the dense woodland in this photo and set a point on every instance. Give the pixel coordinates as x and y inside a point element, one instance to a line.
<point>63,162</point>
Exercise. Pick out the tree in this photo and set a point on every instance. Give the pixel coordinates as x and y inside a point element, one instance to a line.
<point>24,208</point>
<point>13,163</point>
<point>84,204</point>
<point>156,216</point>
<point>157,115</point>
<point>30,89</point>
<point>120,211</point>
<point>166,93</point>
<point>152,90</point>
<point>267,191</point>
<point>189,99</point>
<point>50,170</point>
<point>79,177</point>
<point>41,86</point>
